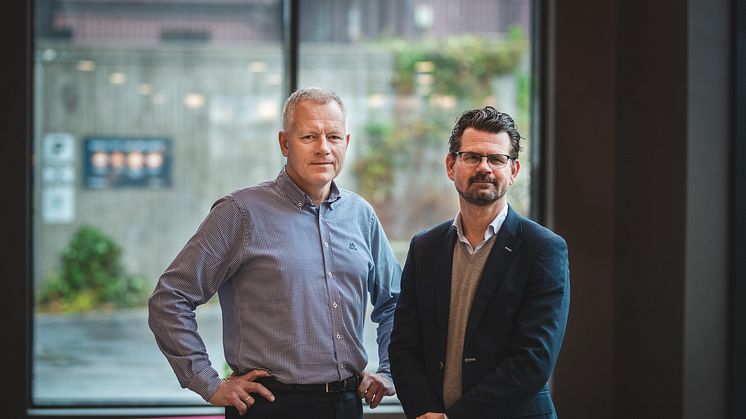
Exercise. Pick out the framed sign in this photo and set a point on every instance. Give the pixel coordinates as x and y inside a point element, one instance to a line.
<point>114,162</point>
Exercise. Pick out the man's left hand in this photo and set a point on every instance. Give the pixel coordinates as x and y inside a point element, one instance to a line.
<point>373,387</point>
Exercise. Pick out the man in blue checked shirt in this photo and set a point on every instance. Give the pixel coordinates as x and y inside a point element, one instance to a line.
<point>293,261</point>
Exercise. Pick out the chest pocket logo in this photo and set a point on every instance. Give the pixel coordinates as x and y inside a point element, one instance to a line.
<point>352,246</point>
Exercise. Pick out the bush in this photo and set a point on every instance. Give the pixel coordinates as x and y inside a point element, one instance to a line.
<point>464,66</point>
<point>92,276</point>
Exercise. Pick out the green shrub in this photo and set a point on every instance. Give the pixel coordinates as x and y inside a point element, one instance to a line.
<point>92,276</point>
<point>461,70</point>
<point>463,66</point>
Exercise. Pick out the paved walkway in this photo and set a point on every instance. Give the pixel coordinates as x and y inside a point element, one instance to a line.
<point>112,358</point>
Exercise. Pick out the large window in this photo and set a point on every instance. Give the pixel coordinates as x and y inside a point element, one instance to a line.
<point>146,112</point>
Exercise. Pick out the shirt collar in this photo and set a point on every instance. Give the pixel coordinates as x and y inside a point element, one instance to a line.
<point>492,228</point>
<point>296,195</point>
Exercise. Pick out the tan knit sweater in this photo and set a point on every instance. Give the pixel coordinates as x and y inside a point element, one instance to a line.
<point>465,274</point>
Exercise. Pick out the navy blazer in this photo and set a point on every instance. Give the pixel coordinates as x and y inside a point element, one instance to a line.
<point>513,333</point>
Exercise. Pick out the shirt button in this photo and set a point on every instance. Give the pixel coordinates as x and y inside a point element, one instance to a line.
<point>341,366</point>
<point>334,305</point>
<point>339,336</point>
<point>300,204</point>
<point>330,274</point>
<point>326,244</point>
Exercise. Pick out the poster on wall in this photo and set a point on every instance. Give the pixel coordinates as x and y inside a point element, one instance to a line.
<point>116,162</point>
<point>58,205</point>
<point>58,178</point>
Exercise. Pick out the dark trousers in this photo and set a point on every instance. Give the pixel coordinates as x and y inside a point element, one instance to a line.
<point>303,405</point>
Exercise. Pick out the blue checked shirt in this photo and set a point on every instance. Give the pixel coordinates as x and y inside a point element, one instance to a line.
<point>293,281</point>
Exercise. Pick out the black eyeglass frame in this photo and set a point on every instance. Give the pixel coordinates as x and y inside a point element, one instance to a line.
<point>487,156</point>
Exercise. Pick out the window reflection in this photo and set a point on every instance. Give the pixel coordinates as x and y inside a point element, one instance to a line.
<point>203,80</point>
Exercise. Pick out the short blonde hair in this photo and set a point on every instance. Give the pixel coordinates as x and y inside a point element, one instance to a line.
<point>309,94</point>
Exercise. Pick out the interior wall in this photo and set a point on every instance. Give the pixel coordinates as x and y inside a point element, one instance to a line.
<point>709,136</point>
<point>641,93</point>
<point>651,153</point>
<point>737,311</point>
<point>582,110</point>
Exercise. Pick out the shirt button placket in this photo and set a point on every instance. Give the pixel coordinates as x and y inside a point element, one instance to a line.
<point>333,296</point>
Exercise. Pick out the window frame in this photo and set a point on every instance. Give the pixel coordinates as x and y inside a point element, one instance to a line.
<point>18,124</point>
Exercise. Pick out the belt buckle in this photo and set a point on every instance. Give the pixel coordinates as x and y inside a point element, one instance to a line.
<point>335,387</point>
<point>338,386</point>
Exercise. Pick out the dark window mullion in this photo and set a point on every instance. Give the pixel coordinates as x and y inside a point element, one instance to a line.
<point>290,45</point>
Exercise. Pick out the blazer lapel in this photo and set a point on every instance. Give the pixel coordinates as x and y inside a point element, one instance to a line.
<point>442,264</point>
<point>503,252</point>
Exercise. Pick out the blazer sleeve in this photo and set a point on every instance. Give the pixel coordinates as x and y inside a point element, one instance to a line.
<point>539,330</point>
<point>407,347</point>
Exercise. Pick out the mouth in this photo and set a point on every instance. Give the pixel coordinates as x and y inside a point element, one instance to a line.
<point>482,179</point>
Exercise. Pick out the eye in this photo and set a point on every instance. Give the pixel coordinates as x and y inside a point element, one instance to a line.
<point>471,157</point>
<point>334,137</point>
<point>496,159</point>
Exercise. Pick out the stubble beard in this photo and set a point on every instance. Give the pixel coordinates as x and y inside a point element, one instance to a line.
<point>482,198</point>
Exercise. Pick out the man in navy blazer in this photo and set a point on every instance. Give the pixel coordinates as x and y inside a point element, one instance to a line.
<point>484,298</point>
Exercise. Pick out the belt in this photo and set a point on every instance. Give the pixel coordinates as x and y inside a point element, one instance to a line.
<point>348,384</point>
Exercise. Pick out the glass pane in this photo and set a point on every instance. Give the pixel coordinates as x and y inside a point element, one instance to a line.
<point>145,114</point>
<point>406,70</point>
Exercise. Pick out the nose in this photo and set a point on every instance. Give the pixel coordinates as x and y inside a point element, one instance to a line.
<point>323,146</point>
<point>484,165</point>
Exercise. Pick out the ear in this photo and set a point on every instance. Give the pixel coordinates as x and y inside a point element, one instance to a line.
<point>283,139</point>
<point>450,161</point>
<point>514,169</point>
<point>347,140</point>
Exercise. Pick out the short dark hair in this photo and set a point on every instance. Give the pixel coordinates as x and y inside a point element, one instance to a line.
<point>486,119</point>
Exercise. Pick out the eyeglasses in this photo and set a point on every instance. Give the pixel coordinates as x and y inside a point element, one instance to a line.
<point>496,161</point>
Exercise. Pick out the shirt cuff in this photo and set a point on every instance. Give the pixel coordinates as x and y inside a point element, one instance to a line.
<point>206,383</point>
<point>387,373</point>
